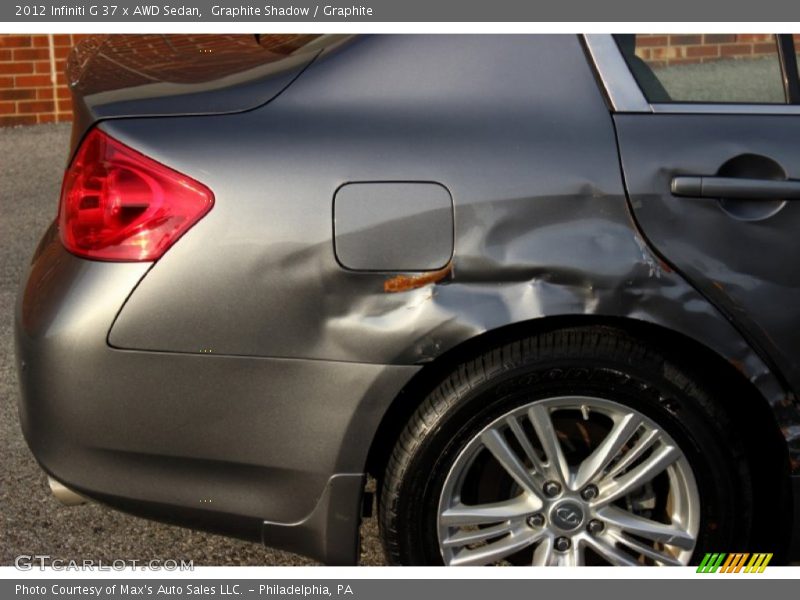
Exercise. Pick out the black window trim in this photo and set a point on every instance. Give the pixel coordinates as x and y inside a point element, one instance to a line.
<point>788,59</point>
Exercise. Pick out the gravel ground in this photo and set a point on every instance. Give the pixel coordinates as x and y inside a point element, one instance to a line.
<point>31,520</point>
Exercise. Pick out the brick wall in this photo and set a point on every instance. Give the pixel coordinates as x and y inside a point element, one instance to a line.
<point>32,82</point>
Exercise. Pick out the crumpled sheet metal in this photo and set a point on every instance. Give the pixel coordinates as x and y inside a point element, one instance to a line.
<point>596,266</point>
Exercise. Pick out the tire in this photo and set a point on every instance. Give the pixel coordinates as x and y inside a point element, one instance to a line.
<point>588,381</point>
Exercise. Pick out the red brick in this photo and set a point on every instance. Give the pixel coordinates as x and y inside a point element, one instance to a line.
<point>35,106</point>
<point>719,38</point>
<point>40,41</point>
<point>12,68</point>
<point>698,51</point>
<point>15,41</point>
<point>44,93</point>
<point>685,40</point>
<point>41,67</point>
<point>6,82</point>
<point>63,52</point>
<point>7,108</point>
<point>753,37</point>
<point>46,118</point>
<point>5,54</point>
<point>63,92</point>
<point>737,50</point>
<point>31,54</point>
<point>765,48</point>
<point>62,40</point>
<point>17,94</point>
<point>33,81</point>
<point>651,40</point>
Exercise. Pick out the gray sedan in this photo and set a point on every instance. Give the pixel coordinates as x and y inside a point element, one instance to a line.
<point>541,288</point>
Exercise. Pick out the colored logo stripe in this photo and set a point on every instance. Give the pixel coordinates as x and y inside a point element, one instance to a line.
<point>734,563</point>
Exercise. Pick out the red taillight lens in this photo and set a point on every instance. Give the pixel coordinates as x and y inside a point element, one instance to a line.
<point>118,204</point>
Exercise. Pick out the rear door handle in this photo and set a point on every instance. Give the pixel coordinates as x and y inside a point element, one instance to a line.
<point>737,188</point>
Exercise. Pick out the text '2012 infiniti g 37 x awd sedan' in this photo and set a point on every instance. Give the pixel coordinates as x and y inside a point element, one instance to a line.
<point>541,288</point>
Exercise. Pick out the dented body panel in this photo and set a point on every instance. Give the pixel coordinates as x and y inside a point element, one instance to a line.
<point>536,188</point>
<point>514,127</point>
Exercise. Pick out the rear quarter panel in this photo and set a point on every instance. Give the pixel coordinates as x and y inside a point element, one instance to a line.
<point>513,126</point>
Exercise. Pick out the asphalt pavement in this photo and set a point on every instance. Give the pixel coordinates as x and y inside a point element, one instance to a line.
<point>32,522</point>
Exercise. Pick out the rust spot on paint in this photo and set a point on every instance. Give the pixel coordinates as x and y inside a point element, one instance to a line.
<point>404,283</point>
<point>664,265</point>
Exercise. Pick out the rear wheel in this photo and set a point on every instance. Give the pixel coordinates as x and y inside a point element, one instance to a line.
<point>576,447</point>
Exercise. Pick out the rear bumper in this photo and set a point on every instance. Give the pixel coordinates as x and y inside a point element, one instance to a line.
<point>222,443</point>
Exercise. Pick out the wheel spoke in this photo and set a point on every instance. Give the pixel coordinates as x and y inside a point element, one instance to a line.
<point>646,528</point>
<point>497,550</point>
<point>611,553</point>
<point>662,558</point>
<point>466,537</point>
<point>645,471</point>
<point>462,515</point>
<point>495,443</point>
<point>543,555</point>
<point>633,453</point>
<point>548,436</point>
<point>526,445</point>
<point>608,449</point>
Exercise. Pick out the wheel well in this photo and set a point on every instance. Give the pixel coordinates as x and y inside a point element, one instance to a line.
<point>750,413</point>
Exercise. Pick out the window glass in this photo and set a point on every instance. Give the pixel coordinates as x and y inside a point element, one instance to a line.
<point>705,67</point>
<point>796,38</point>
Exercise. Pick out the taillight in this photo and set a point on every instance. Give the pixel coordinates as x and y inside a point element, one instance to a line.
<point>118,204</point>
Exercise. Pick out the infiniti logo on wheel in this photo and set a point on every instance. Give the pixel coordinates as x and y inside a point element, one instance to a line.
<point>567,515</point>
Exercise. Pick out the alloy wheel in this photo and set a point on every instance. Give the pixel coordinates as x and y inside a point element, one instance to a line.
<point>569,481</point>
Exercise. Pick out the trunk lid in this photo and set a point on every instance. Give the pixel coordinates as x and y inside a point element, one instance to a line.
<point>117,76</point>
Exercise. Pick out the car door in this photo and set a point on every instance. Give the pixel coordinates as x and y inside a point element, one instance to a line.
<point>709,138</point>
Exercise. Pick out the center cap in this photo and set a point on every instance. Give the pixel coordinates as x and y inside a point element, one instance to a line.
<point>567,515</point>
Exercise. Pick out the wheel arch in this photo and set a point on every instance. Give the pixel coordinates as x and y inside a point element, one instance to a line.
<point>751,412</point>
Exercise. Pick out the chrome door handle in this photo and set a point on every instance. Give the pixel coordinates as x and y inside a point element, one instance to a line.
<point>738,188</point>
